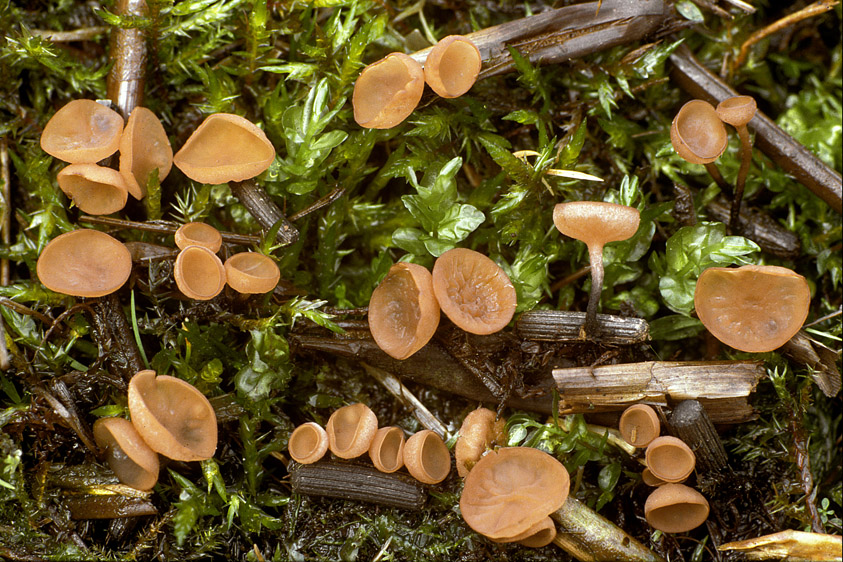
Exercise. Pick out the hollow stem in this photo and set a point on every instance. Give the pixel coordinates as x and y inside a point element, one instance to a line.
<point>595,256</point>
<point>746,160</point>
<point>715,174</point>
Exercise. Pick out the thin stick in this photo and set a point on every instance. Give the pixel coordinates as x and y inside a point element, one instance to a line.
<point>263,208</point>
<point>167,227</point>
<point>5,226</point>
<point>128,56</point>
<point>81,34</point>
<point>332,196</point>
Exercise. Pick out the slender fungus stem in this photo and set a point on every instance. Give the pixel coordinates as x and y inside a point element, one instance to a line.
<point>715,174</point>
<point>595,256</point>
<point>746,160</point>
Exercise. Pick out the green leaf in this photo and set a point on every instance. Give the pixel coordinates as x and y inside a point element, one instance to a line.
<point>268,368</point>
<point>675,327</point>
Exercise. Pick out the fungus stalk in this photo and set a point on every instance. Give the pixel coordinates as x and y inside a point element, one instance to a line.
<point>743,171</point>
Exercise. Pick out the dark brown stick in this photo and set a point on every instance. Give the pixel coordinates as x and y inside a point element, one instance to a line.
<point>759,227</point>
<point>263,208</point>
<point>690,423</point>
<point>115,338</point>
<point>166,227</point>
<point>790,155</point>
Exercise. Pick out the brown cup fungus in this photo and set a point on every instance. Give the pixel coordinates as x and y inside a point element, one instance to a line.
<point>737,111</point>
<point>479,431</point>
<point>699,137</point>
<point>84,263</point>
<point>225,148</point>
<point>639,425</point>
<point>128,455</point>
<point>387,91</point>
<point>308,443</point>
<point>596,224</point>
<point>539,535</point>
<point>82,131</point>
<point>198,234</point>
<point>144,147</point>
<point>675,508</point>
<point>452,66</point>
<point>387,449</point>
<point>426,457</point>
<point>351,430</point>
<point>473,291</point>
<point>94,189</point>
<point>251,273</point>
<point>753,308</point>
<point>199,273</point>
<point>511,490</point>
<point>172,416</point>
<point>670,459</point>
<point>651,479</point>
<point>403,312</point>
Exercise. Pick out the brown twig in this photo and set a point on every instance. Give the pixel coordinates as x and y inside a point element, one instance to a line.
<point>128,56</point>
<point>332,196</point>
<point>81,34</point>
<point>260,204</point>
<point>803,462</point>
<point>166,227</point>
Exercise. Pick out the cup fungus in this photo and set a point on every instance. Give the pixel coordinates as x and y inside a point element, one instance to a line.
<point>651,479</point>
<point>511,490</point>
<point>199,273</point>
<point>452,66</point>
<point>94,189</point>
<point>387,91</point>
<point>198,234</point>
<point>84,263</point>
<point>639,425</point>
<point>670,459</point>
<point>403,312</point>
<point>479,431</point>
<point>387,449</point>
<point>308,443</point>
<point>172,416</point>
<point>224,148</point>
<point>83,131</point>
<point>675,508</point>
<point>351,430</point>
<point>144,147</point>
<point>754,308</point>
<point>426,457</point>
<point>251,273</point>
<point>737,111</point>
<point>128,455</point>
<point>539,535</point>
<point>596,224</point>
<point>473,291</point>
<point>699,137</point>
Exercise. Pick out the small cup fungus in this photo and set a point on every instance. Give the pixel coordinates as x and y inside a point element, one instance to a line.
<point>651,479</point>
<point>251,273</point>
<point>224,148</point>
<point>144,147</point>
<point>84,263</point>
<point>473,291</point>
<point>596,224</point>
<point>308,443</point>
<point>199,273</point>
<point>737,111</point>
<point>670,459</point>
<point>94,189</point>
<point>128,455</point>
<point>754,308</point>
<point>387,449</point>
<point>675,508</point>
<point>426,457</point>
<point>172,416</point>
<point>452,66</point>
<point>511,490</point>
<point>198,234</point>
<point>83,131</point>
<point>403,312</point>
<point>351,430</point>
<point>539,535</point>
<point>479,431</point>
<point>387,91</point>
<point>639,425</point>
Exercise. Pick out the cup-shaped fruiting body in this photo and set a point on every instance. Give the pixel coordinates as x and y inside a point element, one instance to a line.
<point>351,430</point>
<point>639,425</point>
<point>697,133</point>
<point>199,273</point>
<point>752,308</point>
<point>473,291</point>
<point>479,431</point>
<point>675,508</point>
<point>128,455</point>
<point>670,459</point>
<point>737,111</point>
<point>251,273</point>
<point>511,490</point>
<point>403,312</point>
<point>426,457</point>
<point>96,190</point>
<point>84,263</point>
<point>198,234</point>
<point>308,443</point>
<point>82,131</point>
<point>651,479</point>
<point>144,147</point>
<point>539,535</point>
<point>172,416</point>
<point>387,449</point>
<point>225,148</point>
<point>452,66</point>
<point>387,91</point>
